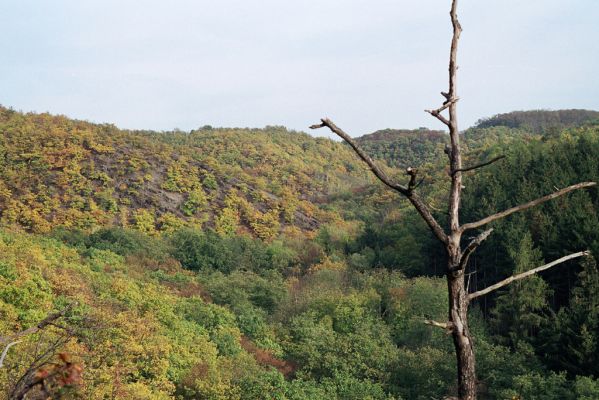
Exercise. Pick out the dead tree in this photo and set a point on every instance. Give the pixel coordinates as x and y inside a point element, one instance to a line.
<point>457,252</point>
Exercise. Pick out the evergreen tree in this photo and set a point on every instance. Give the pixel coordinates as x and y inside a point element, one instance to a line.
<point>570,339</point>
<point>521,308</point>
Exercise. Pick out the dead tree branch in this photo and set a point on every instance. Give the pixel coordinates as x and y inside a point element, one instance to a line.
<point>472,246</point>
<point>484,164</point>
<point>12,340</point>
<point>41,325</point>
<point>446,104</point>
<point>5,352</point>
<point>444,325</point>
<point>439,116</point>
<point>525,206</point>
<point>523,275</point>
<point>365,157</point>
<point>380,174</point>
<point>454,132</point>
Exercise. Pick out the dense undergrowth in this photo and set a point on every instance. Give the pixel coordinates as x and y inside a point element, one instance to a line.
<point>145,328</point>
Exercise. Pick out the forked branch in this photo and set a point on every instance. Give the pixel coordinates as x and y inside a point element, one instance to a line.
<point>446,104</point>
<point>525,206</point>
<point>437,114</point>
<point>523,275</point>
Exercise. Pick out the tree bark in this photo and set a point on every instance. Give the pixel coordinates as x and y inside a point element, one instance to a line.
<point>458,294</point>
<point>462,341</point>
<point>458,319</point>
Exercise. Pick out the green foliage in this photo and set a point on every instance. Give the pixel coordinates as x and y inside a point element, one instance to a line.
<point>569,340</point>
<point>227,222</point>
<point>405,148</point>
<point>520,309</point>
<point>586,388</point>
<point>196,201</point>
<point>124,242</point>
<point>540,121</point>
<point>202,251</point>
<point>144,221</point>
<point>207,250</point>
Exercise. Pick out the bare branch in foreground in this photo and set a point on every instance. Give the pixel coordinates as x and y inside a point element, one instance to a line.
<point>444,325</point>
<point>41,325</point>
<point>365,157</point>
<point>525,206</point>
<point>437,114</point>
<point>446,104</point>
<point>420,206</point>
<point>513,278</point>
<point>491,161</point>
<point>5,352</point>
<point>472,246</point>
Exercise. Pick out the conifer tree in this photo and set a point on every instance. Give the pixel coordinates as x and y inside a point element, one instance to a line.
<point>521,308</point>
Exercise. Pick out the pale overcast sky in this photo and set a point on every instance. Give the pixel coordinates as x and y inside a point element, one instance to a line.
<point>367,65</point>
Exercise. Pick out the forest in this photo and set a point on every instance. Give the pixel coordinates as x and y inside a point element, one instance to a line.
<point>258,264</point>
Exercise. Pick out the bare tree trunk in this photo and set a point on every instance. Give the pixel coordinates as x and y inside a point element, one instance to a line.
<point>458,318</point>
<point>462,341</point>
<point>457,292</point>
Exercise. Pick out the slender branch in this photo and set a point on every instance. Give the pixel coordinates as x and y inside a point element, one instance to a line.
<point>446,104</point>
<point>41,325</point>
<point>380,174</point>
<point>472,246</point>
<point>425,213</point>
<point>5,352</point>
<point>444,325</point>
<point>468,282</point>
<point>484,164</point>
<point>437,114</point>
<point>365,157</point>
<point>525,206</point>
<point>523,275</point>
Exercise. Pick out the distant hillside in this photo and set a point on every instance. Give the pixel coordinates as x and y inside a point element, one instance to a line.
<point>55,171</point>
<point>405,148</point>
<point>58,171</point>
<point>539,121</point>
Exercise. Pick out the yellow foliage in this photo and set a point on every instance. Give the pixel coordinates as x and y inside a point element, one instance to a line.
<point>169,223</point>
<point>144,221</point>
<point>266,226</point>
<point>328,264</point>
<point>227,222</point>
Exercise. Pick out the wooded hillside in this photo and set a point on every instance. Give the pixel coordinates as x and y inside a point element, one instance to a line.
<point>255,264</point>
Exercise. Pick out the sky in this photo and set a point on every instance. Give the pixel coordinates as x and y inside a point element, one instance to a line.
<point>366,64</point>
